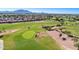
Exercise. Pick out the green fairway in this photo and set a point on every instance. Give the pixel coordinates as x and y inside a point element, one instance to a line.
<point>25,39</point>
<point>73,28</point>
<point>29,34</point>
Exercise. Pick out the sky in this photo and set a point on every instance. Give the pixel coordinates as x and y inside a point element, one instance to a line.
<point>46,10</point>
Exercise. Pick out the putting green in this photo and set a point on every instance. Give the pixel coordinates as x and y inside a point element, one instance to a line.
<point>29,34</point>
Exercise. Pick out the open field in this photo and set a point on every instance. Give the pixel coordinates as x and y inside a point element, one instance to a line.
<point>24,38</point>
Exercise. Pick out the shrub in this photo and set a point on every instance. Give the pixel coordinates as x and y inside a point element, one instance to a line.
<point>77,45</point>
<point>1,36</point>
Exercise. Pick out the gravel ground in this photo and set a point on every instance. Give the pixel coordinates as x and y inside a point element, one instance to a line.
<point>67,44</point>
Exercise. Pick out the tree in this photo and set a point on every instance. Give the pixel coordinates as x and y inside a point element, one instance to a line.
<point>61,21</point>
<point>64,38</point>
<point>60,34</point>
<point>28,27</point>
<point>77,45</point>
<point>57,19</point>
<point>75,39</point>
<point>49,28</point>
<point>1,36</point>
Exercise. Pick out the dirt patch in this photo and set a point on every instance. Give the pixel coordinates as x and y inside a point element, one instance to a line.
<point>41,34</point>
<point>67,44</point>
<point>8,32</point>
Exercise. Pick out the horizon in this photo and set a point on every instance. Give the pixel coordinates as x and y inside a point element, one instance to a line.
<point>46,10</point>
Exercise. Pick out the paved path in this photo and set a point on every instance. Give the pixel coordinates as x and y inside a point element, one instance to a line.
<point>1,44</point>
<point>67,44</point>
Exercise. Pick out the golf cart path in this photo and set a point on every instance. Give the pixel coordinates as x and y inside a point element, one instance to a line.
<point>1,44</point>
<point>67,44</point>
<point>5,33</point>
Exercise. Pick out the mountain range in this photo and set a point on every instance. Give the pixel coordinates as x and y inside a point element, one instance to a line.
<point>22,11</point>
<point>16,12</point>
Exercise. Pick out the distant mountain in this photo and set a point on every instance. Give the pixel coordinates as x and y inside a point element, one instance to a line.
<point>22,11</point>
<point>16,12</point>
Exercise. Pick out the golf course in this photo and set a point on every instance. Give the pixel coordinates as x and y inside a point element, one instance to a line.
<point>26,37</point>
<point>32,35</point>
<point>39,32</point>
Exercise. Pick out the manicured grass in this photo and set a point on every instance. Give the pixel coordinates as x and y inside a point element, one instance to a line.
<point>17,42</point>
<point>74,29</point>
<point>49,43</point>
<point>24,38</point>
<point>21,43</point>
<point>29,34</point>
<point>10,26</point>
